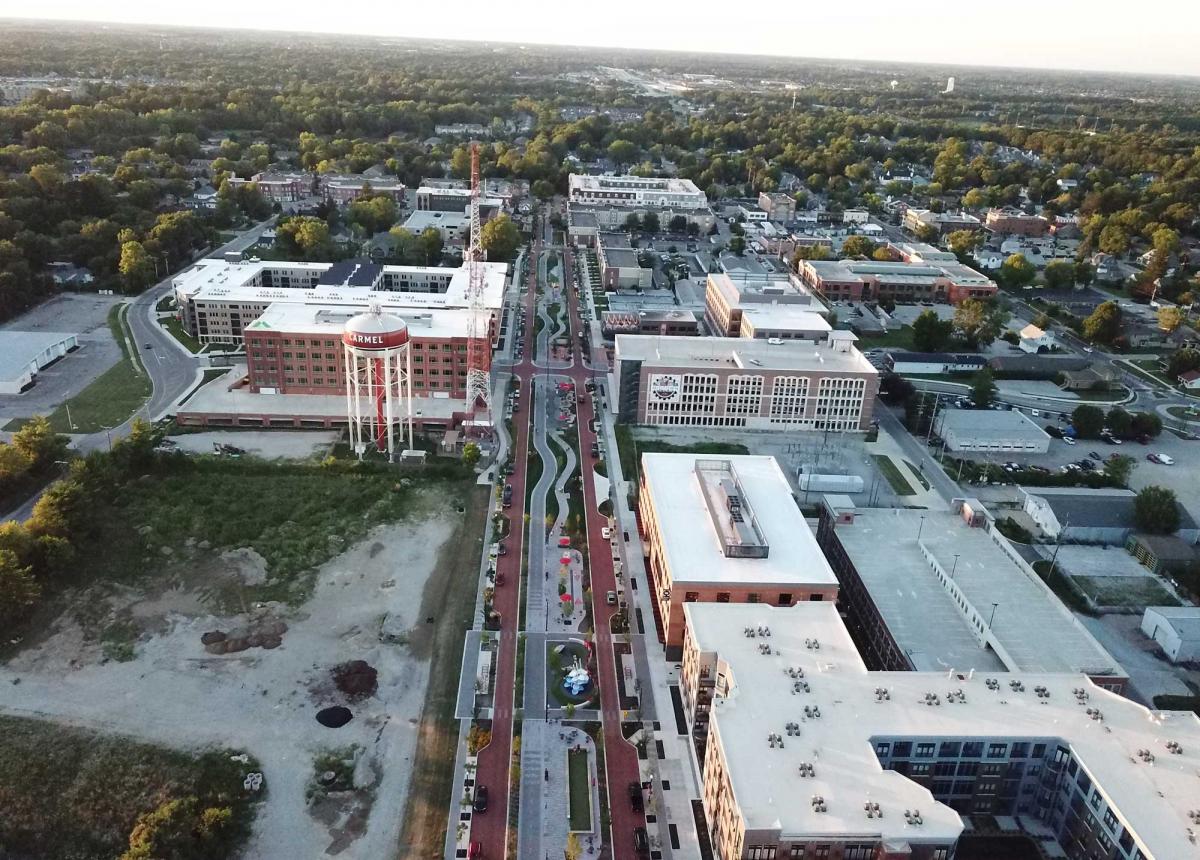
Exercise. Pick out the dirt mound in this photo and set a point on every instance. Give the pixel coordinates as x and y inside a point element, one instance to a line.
<point>265,633</point>
<point>357,679</point>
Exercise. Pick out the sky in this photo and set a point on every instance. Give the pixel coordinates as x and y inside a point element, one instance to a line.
<point>1148,37</point>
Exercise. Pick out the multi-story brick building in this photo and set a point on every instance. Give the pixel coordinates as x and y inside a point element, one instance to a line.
<point>858,280</point>
<point>1014,222</point>
<point>729,295</point>
<point>940,222</point>
<point>778,206</point>
<point>645,191</point>
<point>744,383</point>
<point>343,189</point>
<point>724,530</point>
<point>807,754</point>
<point>281,187</point>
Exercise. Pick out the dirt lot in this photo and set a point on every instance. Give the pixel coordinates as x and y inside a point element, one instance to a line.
<point>170,689</point>
<point>290,444</point>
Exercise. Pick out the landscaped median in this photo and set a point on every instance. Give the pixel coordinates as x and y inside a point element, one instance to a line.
<point>580,793</point>
<point>900,485</point>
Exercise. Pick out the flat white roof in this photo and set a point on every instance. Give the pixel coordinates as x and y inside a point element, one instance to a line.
<point>741,353</point>
<point>784,318</point>
<point>330,319</point>
<point>423,218</point>
<point>1009,424</point>
<point>692,542</point>
<point>1153,799</point>
<point>20,349</point>
<point>218,280</point>
<point>1031,630</point>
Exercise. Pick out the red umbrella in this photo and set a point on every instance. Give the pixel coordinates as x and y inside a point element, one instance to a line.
<point>566,559</point>
<point>564,541</point>
<point>566,598</point>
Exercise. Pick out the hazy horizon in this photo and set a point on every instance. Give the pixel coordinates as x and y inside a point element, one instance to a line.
<point>1024,36</point>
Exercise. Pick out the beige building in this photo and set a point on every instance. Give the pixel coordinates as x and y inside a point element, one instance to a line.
<point>728,296</point>
<point>744,383</point>
<point>724,530</point>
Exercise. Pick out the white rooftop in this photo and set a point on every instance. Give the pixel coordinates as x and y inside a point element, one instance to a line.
<point>1154,798</point>
<point>422,219</point>
<point>836,355</point>
<point>20,349</point>
<point>1031,630</point>
<point>330,319</point>
<point>693,541</point>
<point>213,279</point>
<point>784,318</point>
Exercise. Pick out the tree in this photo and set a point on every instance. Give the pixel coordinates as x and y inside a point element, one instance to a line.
<point>623,152</point>
<point>931,334</point>
<point>1119,422</point>
<point>858,246</point>
<point>926,233</point>
<point>429,245</point>
<point>982,388</point>
<point>1103,324</point>
<point>542,189</point>
<point>1114,240</point>
<point>372,214</point>
<point>1118,469</point>
<point>304,236</point>
<point>979,322</point>
<point>633,222</point>
<point>882,254</point>
<point>1059,274</point>
<point>737,244</point>
<point>1170,318</point>
<point>1155,510</point>
<point>404,246</point>
<point>1088,421</point>
<point>1181,361</point>
<point>37,441</point>
<point>678,224</point>
<point>470,454</point>
<point>650,222</point>
<point>574,850</point>
<point>1084,272</point>
<point>1017,271</point>
<point>19,591</point>
<point>1146,424</point>
<point>135,266</point>
<point>810,252</point>
<point>500,238</point>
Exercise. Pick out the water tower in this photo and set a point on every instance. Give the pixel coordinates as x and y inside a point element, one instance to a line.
<point>378,381</point>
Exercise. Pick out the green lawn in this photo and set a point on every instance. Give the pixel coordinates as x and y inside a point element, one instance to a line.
<point>73,794</point>
<point>900,484</point>
<point>111,398</point>
<point>579,780</point>
<point>1130,591</point>
<point>920,477</point>
<point>175,327</point>
<point>900,338</point>
<point>630,449</point>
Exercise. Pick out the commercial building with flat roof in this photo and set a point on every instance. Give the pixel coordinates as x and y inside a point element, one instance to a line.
<point>856,280</point>
<point>808,754</point>
<point>920,252</point>
<point>1095,516</point>
<point>281,187</point>
<point>728,294</point>
<point>744,383</point>
<point>935,591</point>
<point>941,222</point>
<point>24,353</point>
<point>619,265</point>
<point>778,206</point>
<point>452,225</point>
<point>990,431</point>
<point>344,188</point>
<point>727,530</point>
<point>648,191</point>
<point>670,323</point>
<point>1014,222</point>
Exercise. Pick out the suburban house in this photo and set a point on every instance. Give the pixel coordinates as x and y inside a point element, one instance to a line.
<point>1034,339</point>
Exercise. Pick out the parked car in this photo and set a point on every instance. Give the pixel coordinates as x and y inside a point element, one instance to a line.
<point>1068,440</point>
<point>605,532</point>
<point>476,852</point>
<point>502,548</point>
<point>641,842</point>
<point>1095,456</point>
<point>481,799</point>
<point>611,598</point>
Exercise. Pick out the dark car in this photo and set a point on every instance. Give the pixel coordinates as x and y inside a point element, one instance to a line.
<point>1095,456</point>
<point>641,842</point>
<point>635,796</point>
<point>480,802</point>
<point>501,548</point>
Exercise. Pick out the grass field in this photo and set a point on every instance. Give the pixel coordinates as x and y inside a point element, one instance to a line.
<point>580,816</point>
<point>71,794</point>
<point>900,485</point>
<point>1133,591</point>
<point>901,338</point>
<point>175,327</point>
<point>630,449</point>
<point>111,399</point>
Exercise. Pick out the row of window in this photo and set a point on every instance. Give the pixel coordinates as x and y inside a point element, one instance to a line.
<point>958,749</point>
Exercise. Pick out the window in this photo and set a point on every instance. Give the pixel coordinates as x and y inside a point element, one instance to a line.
<point>968,768</point>
<point>962,787</point>
<point>941,787</point>
<point>797,850</point>
<point>722,597</point>
<point>691,596</point>
<point>997,750</point>
<point>761,852</point>
<point>925,750</point>
<point>1020,750</point>
<point>858,852</point>
<point>972,749</point>
<point>1110,820</point>
<point>949,749</point>
<point>902,749</point>
<point>919,769</point>
<point>882,749</point>
<point>752,597</point>
<point>1039,750</point>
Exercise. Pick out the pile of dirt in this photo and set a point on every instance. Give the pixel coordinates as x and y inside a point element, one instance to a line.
<point>357,679</point>
<point>267,633</point>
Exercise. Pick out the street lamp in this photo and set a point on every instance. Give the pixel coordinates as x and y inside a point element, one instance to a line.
<point>920,528</point>
<point>954,567</point>
<point>992,617</point>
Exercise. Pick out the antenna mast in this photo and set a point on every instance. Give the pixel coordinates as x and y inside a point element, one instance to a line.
<point>479,346</point>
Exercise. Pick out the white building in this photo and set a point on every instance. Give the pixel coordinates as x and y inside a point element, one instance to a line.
<point>1035,340</point>
<point>855,216</point>
<point>453,226</point>
<point>24,353</point>
<point>990,431</point>
<point>1176,629</point>
<point>650,192</point>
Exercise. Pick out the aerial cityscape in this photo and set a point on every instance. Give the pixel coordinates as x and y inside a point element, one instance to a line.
<point>429,448</point>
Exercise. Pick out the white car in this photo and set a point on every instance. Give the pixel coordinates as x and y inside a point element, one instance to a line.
<point>1166,460</point>
<point>1068,440</point>
<point>606,533</point>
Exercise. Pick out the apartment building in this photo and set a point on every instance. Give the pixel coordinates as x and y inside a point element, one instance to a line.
<point>281,187</point>
<point>778,206</point>
<point>940,222</point>
<point>724,530</point>
<point>620,268</point>
<point>648,192</point>
<point>808,754</point>
<point>951,592</point>
<point>744,383</point>
<point>1014,222</point>
<point>856,280</point>
<point>443,199</point>
<point>343,189</point>
<point>673,323</point>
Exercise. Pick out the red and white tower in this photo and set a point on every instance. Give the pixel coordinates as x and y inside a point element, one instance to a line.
<point>378,364</point>
<point>479,341</point>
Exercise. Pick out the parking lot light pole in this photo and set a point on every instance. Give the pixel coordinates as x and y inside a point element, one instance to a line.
<point>992,617</point>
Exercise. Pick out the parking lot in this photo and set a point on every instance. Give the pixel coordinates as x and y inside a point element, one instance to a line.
<point>84,314</point>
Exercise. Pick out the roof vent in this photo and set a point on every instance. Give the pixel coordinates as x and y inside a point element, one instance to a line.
<point>795,671</point>
<point>812,644</point>
<point>807,771</point>
<point>800,687</point>
<point>812,712</point>
<point>913,817</point>
<point>882,694</point>
<point>1174,748</point>
<point>932,699</point>
<point>818,804</point>
<point>792,729</point>
<point>1042,692</point>
<point>1146,756</point>
<point>775,740</point>
<point>956,696</point>
<point>872,809</point>
<point>764,648</point>
<point>1095,714</point>
<point>1016,686</point>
